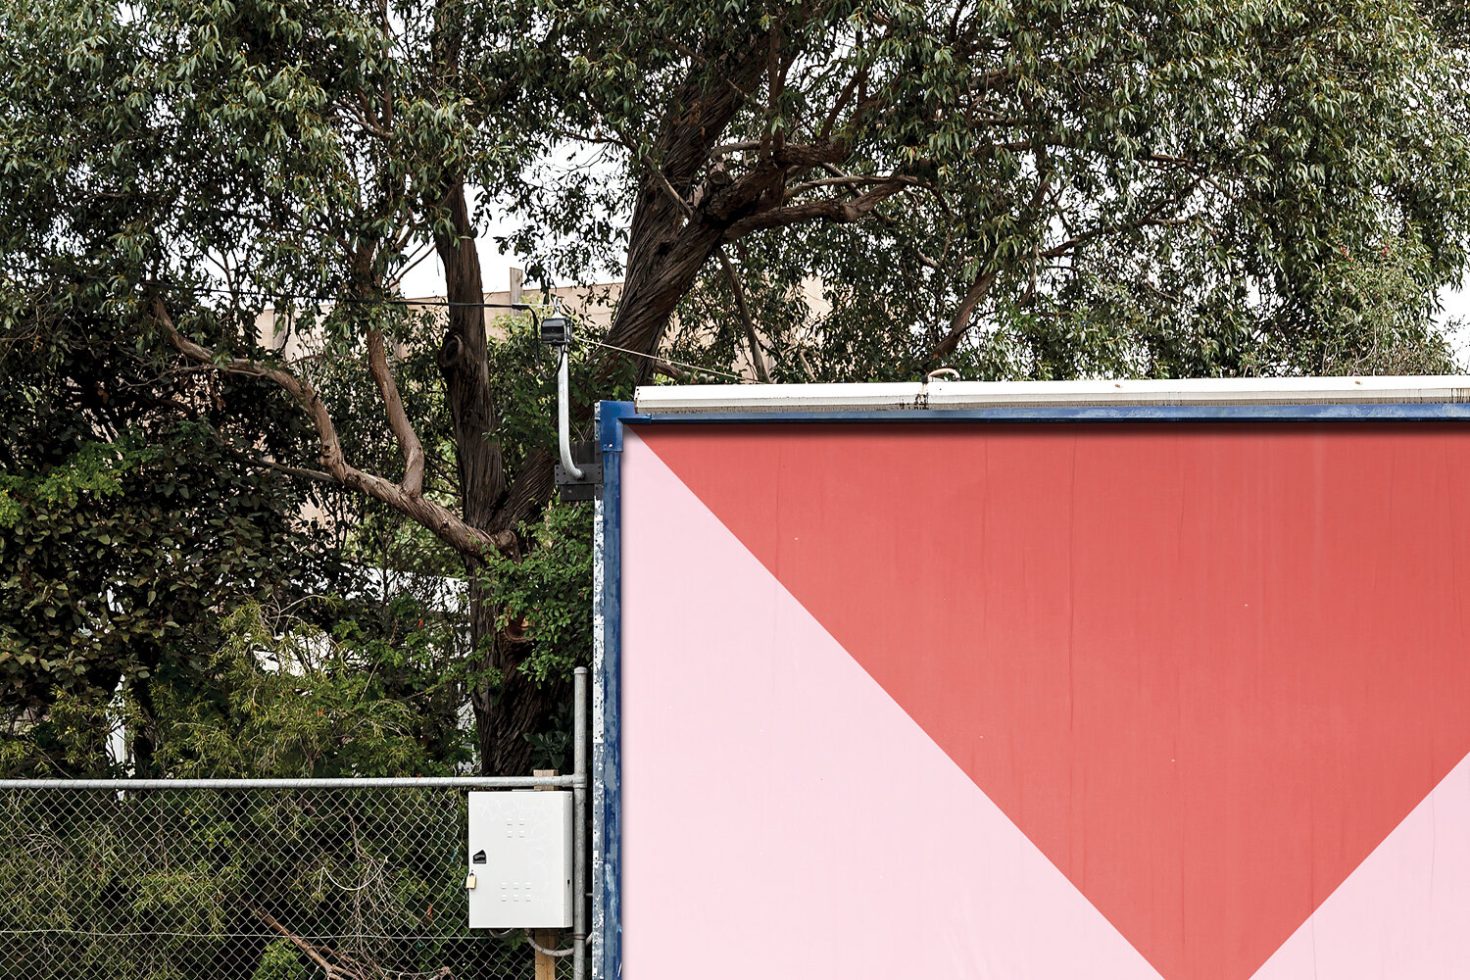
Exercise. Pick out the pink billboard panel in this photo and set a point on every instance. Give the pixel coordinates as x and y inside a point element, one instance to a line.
<point>1101,700</point>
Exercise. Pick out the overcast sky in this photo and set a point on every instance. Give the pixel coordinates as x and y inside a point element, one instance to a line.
<point>1457,303</point>
<point>1457,306</point>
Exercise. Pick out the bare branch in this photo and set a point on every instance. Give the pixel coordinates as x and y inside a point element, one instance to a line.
<point>365,122</point>
<point>986,274</point>
<point>843,180</point>
<point>444,523</point>
<point>398,421</point>
<point>668,188</point>
<point>774,85</point>
<point>311,952</point>
<point>300,472</point>
<point>840,103</point>
<point>1148,221</point>
<point>756,359</point>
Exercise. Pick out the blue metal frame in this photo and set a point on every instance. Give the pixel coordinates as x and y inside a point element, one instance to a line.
<point>607,927</point>
<point>613,417</point>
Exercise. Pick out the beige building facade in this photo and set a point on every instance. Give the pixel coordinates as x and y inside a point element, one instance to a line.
<point>591,305</point>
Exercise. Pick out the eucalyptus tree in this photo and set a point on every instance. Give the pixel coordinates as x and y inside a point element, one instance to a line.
<point>1014,187</point>
<point>176,165</point>
<point>1039,188</point>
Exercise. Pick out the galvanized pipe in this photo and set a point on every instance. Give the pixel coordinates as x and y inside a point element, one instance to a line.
<point>579,812</point>
<point>563,417</point>
<point>394,782</point>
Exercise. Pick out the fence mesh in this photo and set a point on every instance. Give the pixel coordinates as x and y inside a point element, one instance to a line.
<point>231,884</point>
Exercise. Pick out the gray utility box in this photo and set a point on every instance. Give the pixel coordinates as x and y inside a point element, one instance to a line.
<point>520,860</point>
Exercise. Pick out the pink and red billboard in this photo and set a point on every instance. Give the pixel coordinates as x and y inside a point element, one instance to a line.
<point>1018,695</point>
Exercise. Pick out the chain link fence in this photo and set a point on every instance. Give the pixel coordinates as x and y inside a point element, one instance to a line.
<point>282,883</point>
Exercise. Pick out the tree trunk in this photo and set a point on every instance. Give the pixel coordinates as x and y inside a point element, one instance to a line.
<point>497,686</point>
<point>669,242</point>
<point>144,728</point>
<point>507,705</point>
<point>667,250</point>
<point>651,296</point>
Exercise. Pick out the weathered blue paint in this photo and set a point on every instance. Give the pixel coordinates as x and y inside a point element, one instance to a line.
<point>613,417</point>
<point>606,764</point>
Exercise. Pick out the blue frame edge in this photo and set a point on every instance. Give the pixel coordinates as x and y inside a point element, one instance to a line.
<point>607,960</point>
<point>613,416</point>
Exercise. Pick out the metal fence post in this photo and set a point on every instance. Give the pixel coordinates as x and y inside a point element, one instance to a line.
<point>579,810</point>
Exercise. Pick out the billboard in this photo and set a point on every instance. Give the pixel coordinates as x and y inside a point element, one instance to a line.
<point>1070,690</point>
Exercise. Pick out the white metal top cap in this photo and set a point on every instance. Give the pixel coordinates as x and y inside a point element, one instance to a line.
<point>942,394</point>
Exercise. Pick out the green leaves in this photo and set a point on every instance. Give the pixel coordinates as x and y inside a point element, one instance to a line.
<point>1015,188</point>
<point>1126,189</point>
<point>545,597</point>
<point>294,702</point>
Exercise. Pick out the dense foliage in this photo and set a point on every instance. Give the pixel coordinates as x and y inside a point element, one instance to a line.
<point>802,190</point>
<point>1109,189</point>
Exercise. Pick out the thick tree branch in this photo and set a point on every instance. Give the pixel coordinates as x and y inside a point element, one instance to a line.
<point>725,149</point>
<point>443,523</point>
<point>836,209</point>
<point>959,325</point>
<point>534,484</point>
<point>299,388</point>
<point>398,421</point>
<point>666,248</point>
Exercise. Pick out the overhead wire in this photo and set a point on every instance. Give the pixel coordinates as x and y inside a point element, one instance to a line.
<point>666,360</point>
<point>440,303</point>
<point>359,300</point>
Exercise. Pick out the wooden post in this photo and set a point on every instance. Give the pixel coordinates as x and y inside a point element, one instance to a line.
<point>545,938</point>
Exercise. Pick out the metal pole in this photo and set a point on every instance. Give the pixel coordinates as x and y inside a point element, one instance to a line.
<point>579,810</point>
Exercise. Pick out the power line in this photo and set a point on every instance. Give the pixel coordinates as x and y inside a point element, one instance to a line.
<point>270,294</point>
<point>435,302</point>
<point>447,303</point>
<point>665,360</point>
<point>356,300</point>
<point>395,301</point>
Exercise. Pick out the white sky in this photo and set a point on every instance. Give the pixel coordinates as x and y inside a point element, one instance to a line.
<point>1456,305</point>
<point>427,278</point>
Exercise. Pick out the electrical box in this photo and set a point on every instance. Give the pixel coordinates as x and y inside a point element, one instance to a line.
<point>520,860</point>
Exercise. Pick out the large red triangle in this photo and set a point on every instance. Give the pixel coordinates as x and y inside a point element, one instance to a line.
<point>1205,668</point>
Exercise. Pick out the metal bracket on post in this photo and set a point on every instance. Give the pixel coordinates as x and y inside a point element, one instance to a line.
<point>589,484</point>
